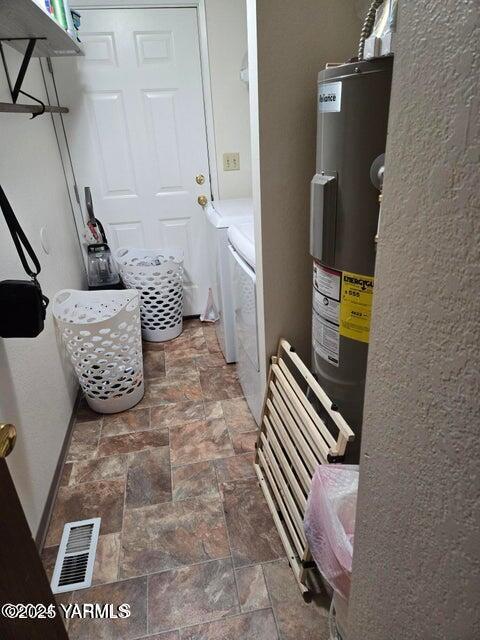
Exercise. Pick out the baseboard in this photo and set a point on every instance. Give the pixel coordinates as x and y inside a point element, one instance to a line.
<point>52,494</point>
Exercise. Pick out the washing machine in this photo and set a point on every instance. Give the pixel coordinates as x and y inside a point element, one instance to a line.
<point>244,284</point>
<point>221,214</point>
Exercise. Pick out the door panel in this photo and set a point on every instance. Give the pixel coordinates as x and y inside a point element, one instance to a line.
<point>178,232</point>
<point>99,48</point>
<point>154,47</point>
<point>112,147</point>
<point>136,130</point>
<point>127,234</point>
<point>160,110</point>
<point>23,578</point>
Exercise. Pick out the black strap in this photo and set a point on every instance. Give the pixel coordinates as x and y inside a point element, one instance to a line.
<point>19,237</point>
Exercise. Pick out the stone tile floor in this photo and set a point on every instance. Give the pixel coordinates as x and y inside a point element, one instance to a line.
<point>186,536</point>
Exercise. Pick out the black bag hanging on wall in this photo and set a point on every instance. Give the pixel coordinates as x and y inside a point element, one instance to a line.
<point>22,304</point>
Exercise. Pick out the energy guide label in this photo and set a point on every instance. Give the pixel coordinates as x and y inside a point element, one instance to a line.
<point>326,313</point>
<point>356,306</point>
<point>342,306</point>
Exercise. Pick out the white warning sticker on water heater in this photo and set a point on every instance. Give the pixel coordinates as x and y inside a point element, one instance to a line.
<point>330,97</point>
<point>326,339</point>
<point>326,313</point>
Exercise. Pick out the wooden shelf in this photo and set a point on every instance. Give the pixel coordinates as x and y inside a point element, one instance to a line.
<point>25,19</point>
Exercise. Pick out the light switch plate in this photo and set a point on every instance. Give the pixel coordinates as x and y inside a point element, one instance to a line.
<point>231,162</point>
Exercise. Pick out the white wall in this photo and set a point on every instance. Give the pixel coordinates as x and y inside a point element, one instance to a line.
<point>37,391</point>
<point>417,553</point>
<point>227,43</point>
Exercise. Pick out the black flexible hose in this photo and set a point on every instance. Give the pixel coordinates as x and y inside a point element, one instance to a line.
<point>368,26</point>
<point>102,232</point>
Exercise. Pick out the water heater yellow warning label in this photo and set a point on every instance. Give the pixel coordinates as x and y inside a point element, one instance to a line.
<point>356,306</point>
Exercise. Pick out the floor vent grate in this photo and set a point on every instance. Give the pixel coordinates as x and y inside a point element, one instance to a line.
<point>76,556</point>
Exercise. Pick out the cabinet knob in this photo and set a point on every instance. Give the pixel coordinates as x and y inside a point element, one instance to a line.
<point>202,200</point>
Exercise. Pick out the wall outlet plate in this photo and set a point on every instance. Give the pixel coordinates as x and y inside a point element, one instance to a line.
<point>231,162</point>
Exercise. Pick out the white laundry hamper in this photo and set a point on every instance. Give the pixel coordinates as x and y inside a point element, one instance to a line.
<point>101,333</point>
<point>158,275</point>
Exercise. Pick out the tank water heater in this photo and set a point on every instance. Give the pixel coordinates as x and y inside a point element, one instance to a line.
<point>353,102</point>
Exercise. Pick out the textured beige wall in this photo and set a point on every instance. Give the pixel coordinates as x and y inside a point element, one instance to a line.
<point>295,41</point>
<point>37,389</point>
<point>417,545</point>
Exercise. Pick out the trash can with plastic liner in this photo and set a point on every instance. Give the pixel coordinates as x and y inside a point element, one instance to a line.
<point>329,527</point>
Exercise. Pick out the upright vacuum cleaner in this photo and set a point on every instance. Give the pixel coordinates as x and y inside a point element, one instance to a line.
<point>102,271</point>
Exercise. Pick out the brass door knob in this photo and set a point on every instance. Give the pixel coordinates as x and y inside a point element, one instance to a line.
<point>200,179</point>
<point>202,200</point>
<point>8,435</point>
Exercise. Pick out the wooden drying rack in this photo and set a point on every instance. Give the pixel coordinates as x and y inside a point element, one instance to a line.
<point>294,439</point>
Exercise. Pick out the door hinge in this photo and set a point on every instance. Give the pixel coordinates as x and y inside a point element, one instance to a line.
<point>49,65</point>
<point>77,196</point>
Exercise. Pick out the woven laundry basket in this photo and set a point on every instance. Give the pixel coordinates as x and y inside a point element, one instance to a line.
<point>101,333</point>
<point>158,275</point>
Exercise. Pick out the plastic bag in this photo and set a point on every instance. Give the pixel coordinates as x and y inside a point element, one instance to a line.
<point>210,313</point>
<point>330,523</point>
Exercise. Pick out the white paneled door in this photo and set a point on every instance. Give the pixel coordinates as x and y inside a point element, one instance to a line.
<point>136,130</point>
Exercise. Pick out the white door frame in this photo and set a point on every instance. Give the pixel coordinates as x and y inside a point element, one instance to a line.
<point>52,94</point>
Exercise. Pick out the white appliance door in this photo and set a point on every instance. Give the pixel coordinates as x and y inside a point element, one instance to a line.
<point>244,286</point>
<point>136,131</point>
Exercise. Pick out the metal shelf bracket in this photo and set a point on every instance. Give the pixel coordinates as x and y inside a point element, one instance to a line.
<point>16,89</point>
